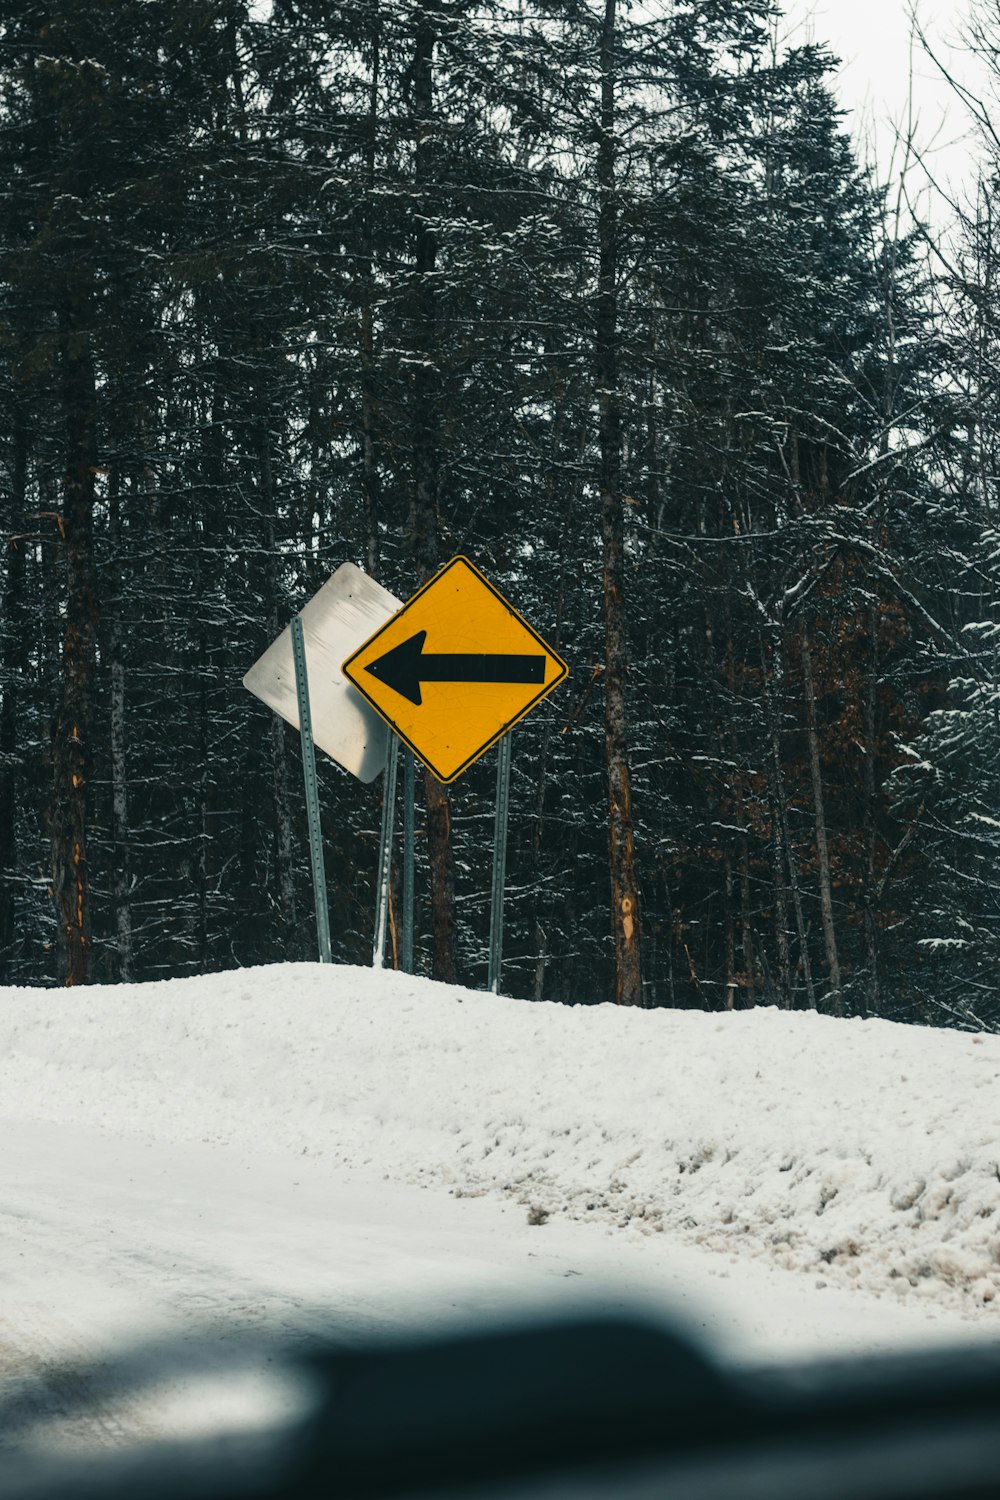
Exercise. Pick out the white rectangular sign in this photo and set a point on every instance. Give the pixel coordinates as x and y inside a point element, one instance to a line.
<point>347,610</point>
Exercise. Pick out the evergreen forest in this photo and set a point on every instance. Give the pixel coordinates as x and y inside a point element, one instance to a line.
<point>597,295</point>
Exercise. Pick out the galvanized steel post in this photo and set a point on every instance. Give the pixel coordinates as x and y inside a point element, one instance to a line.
<point>312,794</point>
<point>409,797</point>
<point>385,854</point>
<point>499,863</point>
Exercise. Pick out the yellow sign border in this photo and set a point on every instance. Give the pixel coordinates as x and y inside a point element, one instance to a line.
<point>504,728</point>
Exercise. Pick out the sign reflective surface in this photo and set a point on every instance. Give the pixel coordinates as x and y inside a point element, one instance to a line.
<point>454,669</point>
<point>348,607</point>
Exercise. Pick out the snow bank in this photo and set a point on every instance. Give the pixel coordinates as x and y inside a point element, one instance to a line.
<point>863,1152</point>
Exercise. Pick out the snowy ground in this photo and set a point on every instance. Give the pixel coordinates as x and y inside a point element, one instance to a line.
<point>298,1150</point>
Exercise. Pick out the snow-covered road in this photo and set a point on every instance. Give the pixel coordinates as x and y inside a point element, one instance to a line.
<point>291,1153</point>
<point>108,1244</point>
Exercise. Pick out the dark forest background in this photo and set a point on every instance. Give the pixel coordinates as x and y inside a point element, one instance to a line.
<point>597,296</point>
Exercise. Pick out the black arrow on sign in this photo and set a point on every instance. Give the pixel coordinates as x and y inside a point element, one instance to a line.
<point>406,666</point>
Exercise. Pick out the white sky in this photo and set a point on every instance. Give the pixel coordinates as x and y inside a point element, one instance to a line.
<point>873,39</point>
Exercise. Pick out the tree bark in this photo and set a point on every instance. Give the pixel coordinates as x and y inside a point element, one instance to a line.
<point>624,887</point>
<point>119,745</point>
<point>779,863</point>
<point>370,479</point>
<point>732,985</point>
<point>15,666</point>
<point>285,844</point>
<point>745,923</point>
<point>822,850</point>
<point>784,987</point>
<point>746,928</point>
<point>868,773</point>
<point>70,808</point>
<point>424,508</point>
<point>775,693</point>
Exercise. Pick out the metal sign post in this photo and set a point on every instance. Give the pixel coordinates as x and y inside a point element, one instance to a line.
<point>499,864</point>
<point>312,794</point>
<point>409,794</point>
<point>385,854</point>
<point>451,673</point>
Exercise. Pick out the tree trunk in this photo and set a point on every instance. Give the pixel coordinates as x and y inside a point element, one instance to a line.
<point>119,748</point>
<point>775,693</point>
<point>556,503</point>
<point>370,480</point>
<point>70,808</point>
<point>424,509</point>
<point>200,924</point>
<point>624,888</point>
<point>746,930</point>
<point>870,881</point>
<point>731,982</point>
<point>778,856</point>
<point>15,666</point>
<point>784,986</point>
<point>285,843</point>
<point>822,851</point>
<point>745,922</point>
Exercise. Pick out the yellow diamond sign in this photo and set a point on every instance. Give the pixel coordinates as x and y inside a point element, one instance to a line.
<point>454,669</point>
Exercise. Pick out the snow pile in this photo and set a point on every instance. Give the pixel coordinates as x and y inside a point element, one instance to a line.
<point>864,1152</point>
